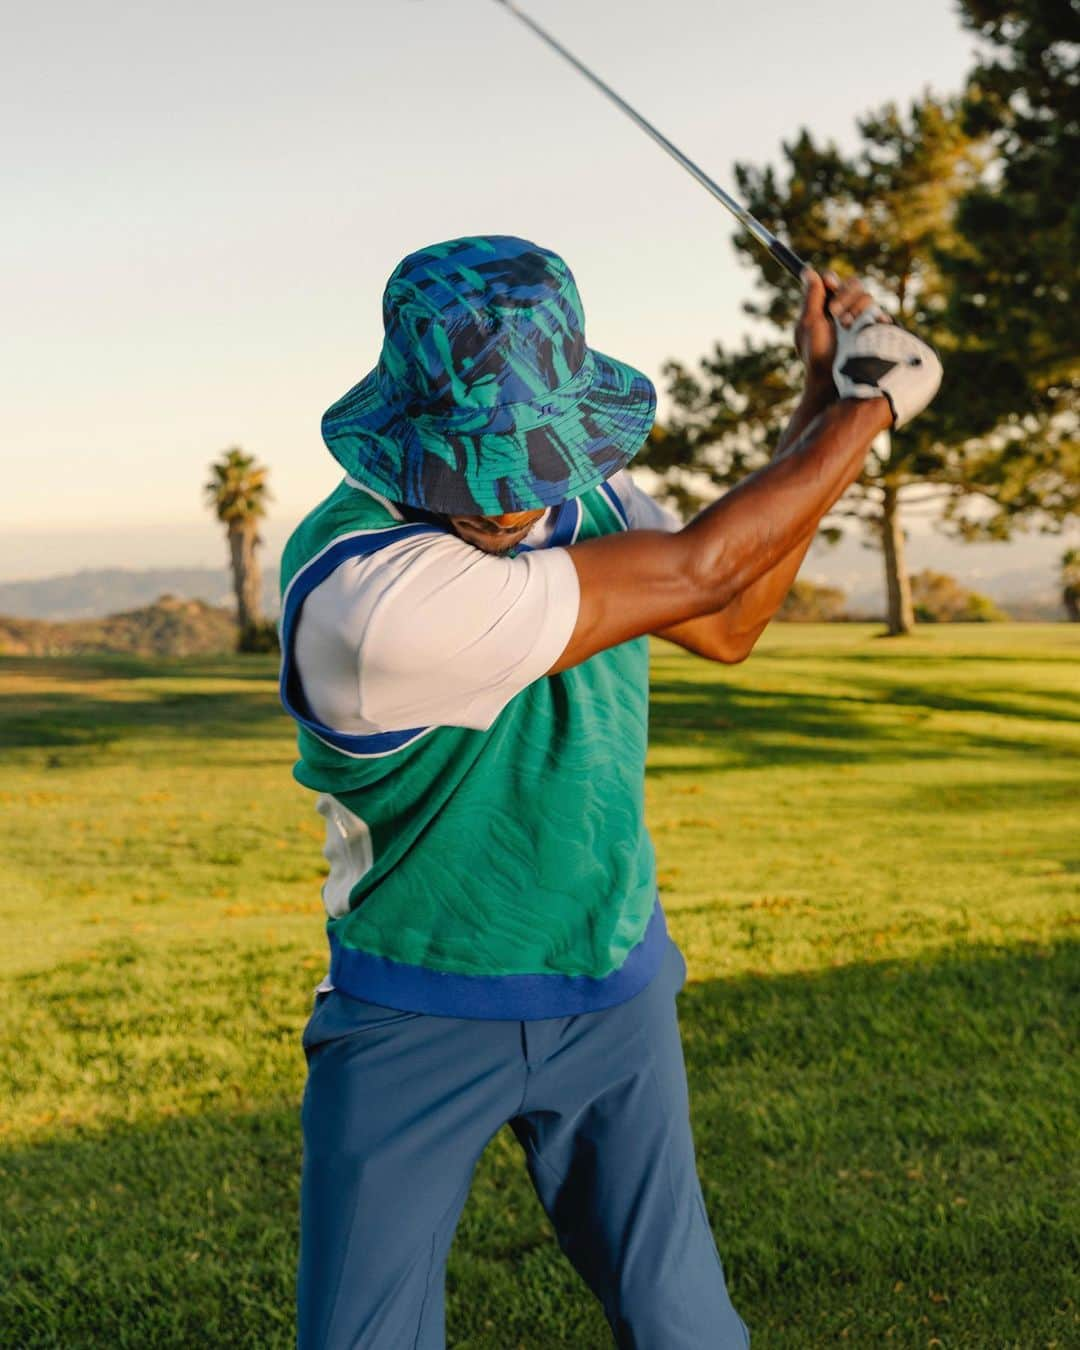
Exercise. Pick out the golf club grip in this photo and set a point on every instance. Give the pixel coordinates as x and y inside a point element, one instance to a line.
<point>787,258</point>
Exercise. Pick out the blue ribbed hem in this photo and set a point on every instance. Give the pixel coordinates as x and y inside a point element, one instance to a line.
<point>519,998</point>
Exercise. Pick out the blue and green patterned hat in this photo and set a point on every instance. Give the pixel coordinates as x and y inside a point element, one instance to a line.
<point>486,399</point>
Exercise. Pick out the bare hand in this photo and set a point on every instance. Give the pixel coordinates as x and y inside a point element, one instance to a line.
<point>815,334</point>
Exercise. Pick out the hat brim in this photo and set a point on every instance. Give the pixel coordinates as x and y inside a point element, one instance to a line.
<point>414,461</point>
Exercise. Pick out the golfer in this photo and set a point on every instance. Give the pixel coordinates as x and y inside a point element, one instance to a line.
<point>465,649</point>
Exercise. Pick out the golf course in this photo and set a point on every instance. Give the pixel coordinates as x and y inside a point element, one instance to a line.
<point>868,853</point>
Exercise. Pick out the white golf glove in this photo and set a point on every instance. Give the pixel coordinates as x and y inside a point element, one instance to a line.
<point>874,358</point>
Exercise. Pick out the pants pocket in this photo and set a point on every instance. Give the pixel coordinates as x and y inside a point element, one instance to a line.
<point>336,1014</point>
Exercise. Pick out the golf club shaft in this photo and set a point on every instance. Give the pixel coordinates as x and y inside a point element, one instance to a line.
<point>785,256</point>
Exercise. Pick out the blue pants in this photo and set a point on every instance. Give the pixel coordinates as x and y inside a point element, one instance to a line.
<point>397,1110</point>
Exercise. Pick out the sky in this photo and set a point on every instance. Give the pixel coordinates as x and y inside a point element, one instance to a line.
<point>204,202</point>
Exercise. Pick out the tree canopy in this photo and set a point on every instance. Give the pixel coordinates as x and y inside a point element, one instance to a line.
<point>962,215</point>
<point>1014,264</point>
<point>881,212</point>
<point>1017,277</point>
<point>237,490</point>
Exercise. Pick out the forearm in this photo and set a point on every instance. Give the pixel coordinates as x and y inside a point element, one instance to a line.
<point>816,397</point>
<point>730,633</point>
<point>763,527</point>
<point>645,582</point>
<point>743,621</point>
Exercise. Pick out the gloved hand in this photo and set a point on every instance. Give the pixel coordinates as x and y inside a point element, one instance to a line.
<point>874,358</point>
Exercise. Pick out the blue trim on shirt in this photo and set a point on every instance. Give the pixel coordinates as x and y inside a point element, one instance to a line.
<point>567,523</point>
<point>564,527</point>
<point>525,998</point>
<point>301,586</point>
<point>616,501</point>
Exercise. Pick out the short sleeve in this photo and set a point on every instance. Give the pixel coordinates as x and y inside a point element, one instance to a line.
<point>430,631</point>
<point>642,511</point>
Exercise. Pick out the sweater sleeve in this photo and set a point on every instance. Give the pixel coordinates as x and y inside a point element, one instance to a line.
<point>431,631</point>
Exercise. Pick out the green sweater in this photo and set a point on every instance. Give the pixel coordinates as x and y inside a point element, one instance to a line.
<point>511,874</point>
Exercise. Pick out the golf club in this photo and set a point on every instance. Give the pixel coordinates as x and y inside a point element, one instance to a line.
<point>785,256</point>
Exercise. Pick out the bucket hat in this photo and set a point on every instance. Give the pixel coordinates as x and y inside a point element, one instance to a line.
<point>486,398</point>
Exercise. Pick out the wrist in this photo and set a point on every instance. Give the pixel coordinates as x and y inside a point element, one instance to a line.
<point>818,392</point>
<point>871,415</point>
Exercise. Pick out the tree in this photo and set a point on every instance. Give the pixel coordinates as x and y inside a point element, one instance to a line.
<point>1013,269</point>
<point>1021,229</point>
<point>885,212</point>
<point>879,213</point>
<point>939,598</point>
<point>237,493</point>
<point>807,602</point>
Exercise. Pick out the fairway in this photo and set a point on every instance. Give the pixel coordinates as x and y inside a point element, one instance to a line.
<point>868,854</point>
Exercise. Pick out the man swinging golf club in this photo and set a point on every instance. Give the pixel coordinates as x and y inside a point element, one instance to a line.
<point>465,650</point>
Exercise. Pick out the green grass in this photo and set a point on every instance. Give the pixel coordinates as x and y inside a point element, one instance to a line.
<point>868,853</point>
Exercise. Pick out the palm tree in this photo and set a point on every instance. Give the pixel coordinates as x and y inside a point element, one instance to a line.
<point>237,493</point>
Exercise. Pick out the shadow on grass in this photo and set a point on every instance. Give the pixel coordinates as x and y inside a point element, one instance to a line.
<point>753,725</point>
<point>148,699</point>
<point>899,655</point>
<point>885,1152</point>
<point>763,726</point>
<point>54,721</point>
<point>116,665</point>
<point>1045,705</point>
<point>756,726</point>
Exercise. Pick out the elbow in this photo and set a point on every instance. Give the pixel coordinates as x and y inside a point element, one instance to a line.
<point>731,651</point>
<point>732,648</point>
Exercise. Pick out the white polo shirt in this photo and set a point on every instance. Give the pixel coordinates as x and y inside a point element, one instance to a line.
<point>430,631</point>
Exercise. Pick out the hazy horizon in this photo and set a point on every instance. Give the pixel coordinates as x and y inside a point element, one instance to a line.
<point>851,565</point>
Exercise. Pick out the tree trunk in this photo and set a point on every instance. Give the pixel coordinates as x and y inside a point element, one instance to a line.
<point>243,541</point>
<point>900,614</point>
<point>1071,598</point>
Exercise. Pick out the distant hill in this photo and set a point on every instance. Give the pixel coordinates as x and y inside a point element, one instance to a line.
<point>169,627</point>
<point>91,594</point>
